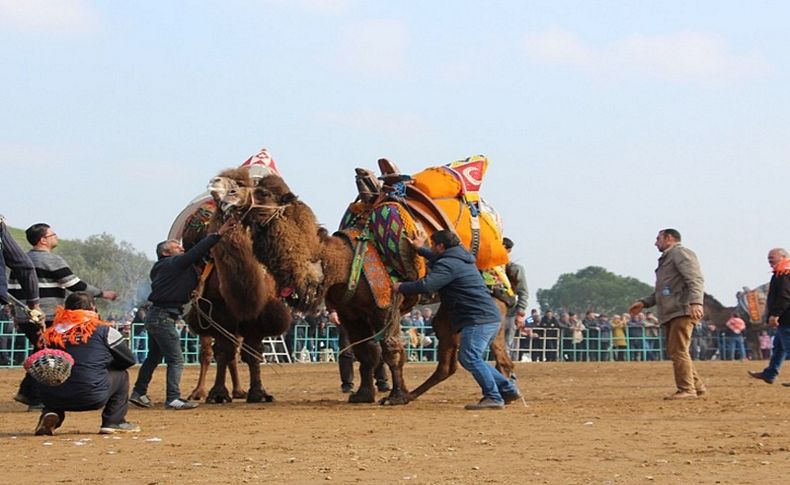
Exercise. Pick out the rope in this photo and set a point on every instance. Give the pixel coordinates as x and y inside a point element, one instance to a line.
<point>222,331</point>
<point>278,211</point>
<point>377,336</point>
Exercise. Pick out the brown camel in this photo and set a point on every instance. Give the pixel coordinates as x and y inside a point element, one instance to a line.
<point>239,304</point>
<point>302,256</point>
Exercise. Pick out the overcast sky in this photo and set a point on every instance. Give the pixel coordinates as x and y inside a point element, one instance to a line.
<point>603,121</point>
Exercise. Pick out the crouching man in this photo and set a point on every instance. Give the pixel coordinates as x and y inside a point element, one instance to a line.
<point>99,379</point>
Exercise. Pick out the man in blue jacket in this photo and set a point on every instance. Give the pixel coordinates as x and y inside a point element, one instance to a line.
<point>465,296</point>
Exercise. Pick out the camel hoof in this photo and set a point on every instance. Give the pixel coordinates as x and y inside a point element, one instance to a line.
<point>218,396</point>
<point>197,395</point>
<point>361,397</point>
<point>393,400</point>
<point>259,395</point>
<point>239,394</point>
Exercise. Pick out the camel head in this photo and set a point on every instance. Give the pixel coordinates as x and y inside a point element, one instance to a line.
<point>285,237</point>
<point>228,180</point>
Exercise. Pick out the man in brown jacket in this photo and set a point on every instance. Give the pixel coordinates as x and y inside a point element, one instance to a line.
<point>678,298</point>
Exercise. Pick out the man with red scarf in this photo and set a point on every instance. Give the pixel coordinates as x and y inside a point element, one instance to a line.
<point>777,307</point>
<point>99,379</point>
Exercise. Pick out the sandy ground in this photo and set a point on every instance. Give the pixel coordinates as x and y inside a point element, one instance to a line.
<point>584,423</point>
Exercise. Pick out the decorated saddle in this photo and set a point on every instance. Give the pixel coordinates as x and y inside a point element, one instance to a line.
<point>386,215</point>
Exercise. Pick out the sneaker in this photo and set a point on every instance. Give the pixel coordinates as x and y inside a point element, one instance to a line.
<point>179,404</point>
<point>681,395</point>
<point>347,388</point>
<point>383,386</point>
<point>124,427</point>
<point>46,424</point>
<point>512,397</point>
<point>485,403</point>
<point>140,400</point>
<point>762,377</point>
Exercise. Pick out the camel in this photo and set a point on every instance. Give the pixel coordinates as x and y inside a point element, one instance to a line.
<point>238,296</point>
<point>302,256</point>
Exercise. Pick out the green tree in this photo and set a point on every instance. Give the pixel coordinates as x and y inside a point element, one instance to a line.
<point>101,261</point>
<point>593,288</point>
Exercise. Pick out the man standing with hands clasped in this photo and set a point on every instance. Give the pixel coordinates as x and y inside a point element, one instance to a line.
<point>464,295</point>
<point>777,307</point>
<point>678,297</point>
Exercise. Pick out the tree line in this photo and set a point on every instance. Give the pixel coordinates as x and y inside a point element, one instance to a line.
<point>103,262</point>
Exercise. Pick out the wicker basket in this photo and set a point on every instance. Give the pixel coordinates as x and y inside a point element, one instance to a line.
<point>50,367</point>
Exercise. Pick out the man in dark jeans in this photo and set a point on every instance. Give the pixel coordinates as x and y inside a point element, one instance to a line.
<point>173,278</point>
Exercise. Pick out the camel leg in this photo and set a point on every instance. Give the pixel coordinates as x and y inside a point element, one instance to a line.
<point>238,391</point>
<point>224,351</point>
<point>369,356</point>
<point>256,393</point>
<point>395,357</point>
<point>504,363</point>
<point>447,353</point>
<point>199,392</point>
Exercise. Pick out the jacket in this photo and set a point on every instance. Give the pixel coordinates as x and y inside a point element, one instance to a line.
<point>173,278</point>
<point>777,302</point>
<point>679,284</point>
<point>463,293</point>
<point>88,386</point>
<point>22,269</point>
<point>518,278</point>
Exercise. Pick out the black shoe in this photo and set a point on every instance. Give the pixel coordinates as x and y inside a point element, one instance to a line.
<point>383,386</point>
<point>347,388</point>
<point>140,400</point>
<point>483,404</point>
<point>21,398</point>
<point>509,398</point>
<point>786,384</point>
<point>47,424</point>
<point>762,377</point>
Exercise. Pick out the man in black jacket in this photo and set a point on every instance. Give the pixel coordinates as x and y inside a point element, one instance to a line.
<point>777,307</point>
<point>99,379</point>
<point>465,296</point>
<point>173,278</point>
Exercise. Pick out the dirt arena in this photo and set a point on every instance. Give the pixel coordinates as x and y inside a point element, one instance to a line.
<point>584,423</point>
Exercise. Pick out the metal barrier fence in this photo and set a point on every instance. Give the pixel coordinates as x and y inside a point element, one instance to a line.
<point>14,347</point>
<point>310,344</point>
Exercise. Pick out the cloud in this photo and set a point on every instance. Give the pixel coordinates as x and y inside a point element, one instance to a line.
<point>376,49</point>
<point>680,56</point>
<point>60,16</point>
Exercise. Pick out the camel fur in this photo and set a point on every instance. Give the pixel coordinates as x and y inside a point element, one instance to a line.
<point>240,296</point>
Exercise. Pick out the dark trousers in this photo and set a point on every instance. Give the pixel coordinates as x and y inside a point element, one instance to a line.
<point>115,407</point>
<point>29,387</point>
<point>345,362</point>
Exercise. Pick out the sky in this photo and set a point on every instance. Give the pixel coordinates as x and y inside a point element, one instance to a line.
<point>604,121</point>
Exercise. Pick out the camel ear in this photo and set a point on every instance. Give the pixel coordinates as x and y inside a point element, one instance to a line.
<point>288,198</point>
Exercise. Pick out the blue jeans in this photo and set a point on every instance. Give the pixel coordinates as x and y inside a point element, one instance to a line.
<point>475,339</point>
<point>733,342</point>
<point>163,341</point>
<point>780,352</point>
